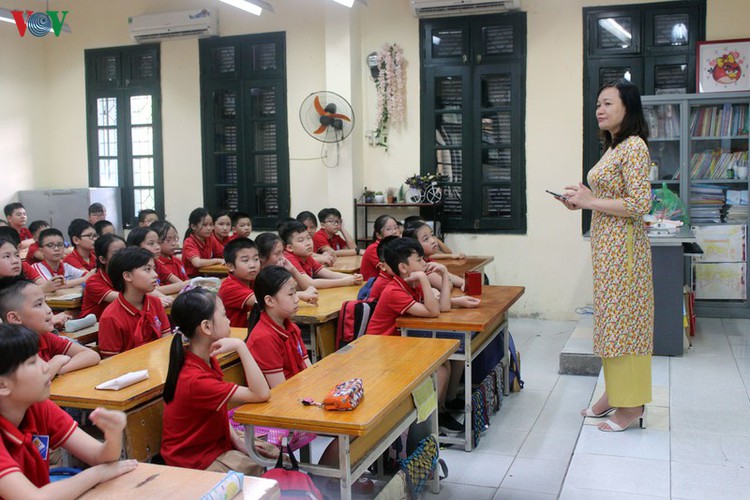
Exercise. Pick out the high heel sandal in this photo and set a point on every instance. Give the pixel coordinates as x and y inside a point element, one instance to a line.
<point>589,412</point>
<point>614,427</point>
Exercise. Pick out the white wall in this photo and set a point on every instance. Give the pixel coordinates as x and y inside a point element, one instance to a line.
<point>43,136</point>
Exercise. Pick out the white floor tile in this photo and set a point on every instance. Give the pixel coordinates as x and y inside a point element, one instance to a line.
<point>633,443</point>
<point>511,494</point>
<point>708,396</point>
<point>476,468</point>
<point>620,474</point>
<point>549,445</point>
<point>701,481</point>
<point>586,494</point>
<point>531,474</point>
<point>701,419</point>
<point>520,410</point>
<point>458,491</point>
<point>502,440</point>
<point>709,447</point>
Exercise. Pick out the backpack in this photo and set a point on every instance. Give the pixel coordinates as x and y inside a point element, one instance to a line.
<point>515,383</point>
<point>353,319</point>
<point>292,482</point>
<point>364,292</point>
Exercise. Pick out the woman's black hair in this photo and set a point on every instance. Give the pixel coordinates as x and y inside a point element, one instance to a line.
<point>265,243</point>
<point>138,235</point>
<point>379,224</point>
<point>411,230</point>
<point>306,215</point>
<point>195,218</point>
<point>17,343</point>
<point>161,228</point>
<point>634,122</point>
<point>124,261</point>
<point>101,246</point>
<point>269,281</point>
<point>189,310</point>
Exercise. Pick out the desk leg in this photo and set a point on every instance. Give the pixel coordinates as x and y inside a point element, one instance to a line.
<point>506,359</point>
<point>314,343</point>
<point>345,468</point>
<point>435,481</point>
<point>468,421</point>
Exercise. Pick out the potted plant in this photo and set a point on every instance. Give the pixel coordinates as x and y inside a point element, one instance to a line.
<point>368,196</point>
<point>379,197</point>
<point>390,194</point>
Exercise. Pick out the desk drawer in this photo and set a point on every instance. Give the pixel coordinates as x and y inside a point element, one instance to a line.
<point>443,334</point>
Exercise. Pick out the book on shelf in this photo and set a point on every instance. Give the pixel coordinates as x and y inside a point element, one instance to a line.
<point>714,164</point>
<point>719,121</point>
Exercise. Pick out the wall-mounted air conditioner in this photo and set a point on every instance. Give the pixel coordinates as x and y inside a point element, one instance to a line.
<point>191,23</point>
<point>447,8</point>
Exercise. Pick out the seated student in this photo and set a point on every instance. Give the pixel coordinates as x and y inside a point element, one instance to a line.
<point>443,251</point>
<point>97,212</point>
<point>168,267</point>
<point>52,267</point>
<point>385,274</point>
<point>34,254</point>
<point>196,430</point>
<point>148,239</point>
<point>242,225</point>
<point>236,291</point>
<point>103,227</point>
<point>421,232</point>
<point>308,218</point>
<point>24,304</point>
<point>199,248</point>
<point>15,213</point>
<point>135,317</point>
<point>384,226</point>
<point>298,251</point>
<point>32,425</point>
<point>400,228</point>
<point>222,227</point>
<point>99,291</point>
<point>271,253</point>
<point>328,239</point>
<point>146,217</point>
<point>82,235</point>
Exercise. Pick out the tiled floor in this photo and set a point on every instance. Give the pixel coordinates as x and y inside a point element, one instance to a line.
<point>697,444</point>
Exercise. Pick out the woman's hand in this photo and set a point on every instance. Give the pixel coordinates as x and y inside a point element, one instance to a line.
<point>578,197</point>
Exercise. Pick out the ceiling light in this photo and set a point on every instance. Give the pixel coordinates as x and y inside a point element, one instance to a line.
<point>247,6</point>
<point>347,3</point>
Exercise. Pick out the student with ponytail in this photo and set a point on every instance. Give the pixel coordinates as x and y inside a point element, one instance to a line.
<point>384,226</point>
<point>197,434</point>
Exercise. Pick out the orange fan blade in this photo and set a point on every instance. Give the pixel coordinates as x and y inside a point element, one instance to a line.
<point>318,107</point>
<point>320,129</point>
<point>343,117</point>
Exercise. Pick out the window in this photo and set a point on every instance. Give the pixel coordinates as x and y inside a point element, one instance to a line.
<point>472,123</point>
<point>652,45</point>
<point>123,102</point>
<point>244,121</point>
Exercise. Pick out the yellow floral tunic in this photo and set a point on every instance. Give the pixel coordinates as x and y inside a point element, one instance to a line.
<point>621,254</point>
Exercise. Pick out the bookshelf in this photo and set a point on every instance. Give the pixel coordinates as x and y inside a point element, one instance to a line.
<point>698,141</point>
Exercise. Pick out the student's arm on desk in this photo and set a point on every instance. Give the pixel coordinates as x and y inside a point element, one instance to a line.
<point>198,263</point>
<point>325,278</point>
<point>79,281</point>
<point>80,357</point>
<point>257,389</point>
<point>431,306</point>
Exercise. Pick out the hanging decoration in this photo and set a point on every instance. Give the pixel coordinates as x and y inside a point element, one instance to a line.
<point>390,84</point>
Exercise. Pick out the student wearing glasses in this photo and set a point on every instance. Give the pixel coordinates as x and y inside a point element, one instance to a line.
<point>82,235</point>
<point>332,236</point>
<point>52,268</point>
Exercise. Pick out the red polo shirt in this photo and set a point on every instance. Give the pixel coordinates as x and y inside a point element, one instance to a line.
<point>235,294</point>
<point>25,234</point>
<point>75,259</point>
<point>221,241</point>
<point>34,248</point>
<point>123,327</point>
<point>26,448</point>
<point>96,288</point>
<point>306,265</point>
<point>397,297</point>
<point>321,239</point>
<point>380,283</point>
<point>370,261</point>
<point>169,265</point>
<point>29,271</point>
<point>195,423</point>
<point>277,349</point>
<point>191,248</point>
<point>50,345</point>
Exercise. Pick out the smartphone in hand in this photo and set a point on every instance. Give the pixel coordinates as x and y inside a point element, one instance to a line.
<point>557,195</point>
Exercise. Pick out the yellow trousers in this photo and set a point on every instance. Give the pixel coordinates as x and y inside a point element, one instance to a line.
<point>627,380</point>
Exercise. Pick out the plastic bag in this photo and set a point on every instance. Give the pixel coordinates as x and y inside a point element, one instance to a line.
<point>666,205</point>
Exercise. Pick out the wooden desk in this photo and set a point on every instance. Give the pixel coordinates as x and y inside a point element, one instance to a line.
<point>349,264</point>
<point>142,401</point>
<point>390,369</point>
<point>84,336</point>
<point>175,482</point>
<point>218,270</point>
<point>65,299</point>
<point>321,318</point>
<point>470,263</point>
<point>476,328</point>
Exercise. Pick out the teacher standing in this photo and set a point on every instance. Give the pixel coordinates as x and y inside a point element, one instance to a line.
<point>620,195</point>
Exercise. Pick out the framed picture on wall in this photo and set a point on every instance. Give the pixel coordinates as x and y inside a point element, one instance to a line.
<point>723,65</point>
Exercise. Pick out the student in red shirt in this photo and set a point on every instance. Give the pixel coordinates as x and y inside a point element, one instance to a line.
<point>421,232</point>
<point>135,317</point>
<point>97,212</point>
<point>34,253</point>
<point>236,291</point>
<point>271,253</point>
<point>104,227</point>
<point>242,225</point>
<point>99,291</point>
<point>200,249</point>
<point>148,239</point>
<point>31,425</point>
<point>385,275</point>
<point>53,268</point>
<point>16,216</point>
<point>299,249</point>
<point>24,304</point>
<point>82,235</point>
<point>146,217</point>
<point>196,430</point>
<point>384,226</point>
<point>308,218</point>
<point>328,238</point>
<point>168,267</point>
<point>222,227</point>
<point>444,252</point>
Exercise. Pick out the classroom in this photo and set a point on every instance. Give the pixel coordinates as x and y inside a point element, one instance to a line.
<point>537,445</point>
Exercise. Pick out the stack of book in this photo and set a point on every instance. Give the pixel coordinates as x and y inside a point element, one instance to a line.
<point>738,210</point>
<point>706,204</point>
<point>719,121</point>
<point>714,164</point>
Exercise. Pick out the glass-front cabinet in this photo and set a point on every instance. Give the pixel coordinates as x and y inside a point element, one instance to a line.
<point>699,148</point>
